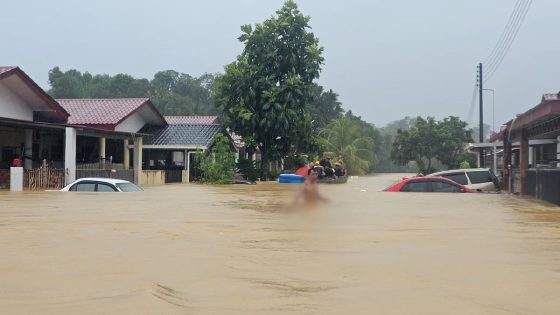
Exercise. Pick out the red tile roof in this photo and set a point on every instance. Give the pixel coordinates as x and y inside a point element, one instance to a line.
<point>102,111</point>
<point>6,68</point>
<point>550,97</point>
<point>202,120</point>
<point>58,113</point>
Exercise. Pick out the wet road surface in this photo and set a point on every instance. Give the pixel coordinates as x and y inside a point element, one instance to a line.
<point>193,249</point>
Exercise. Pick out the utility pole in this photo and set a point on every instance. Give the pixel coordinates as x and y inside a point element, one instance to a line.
<point>481,113</point>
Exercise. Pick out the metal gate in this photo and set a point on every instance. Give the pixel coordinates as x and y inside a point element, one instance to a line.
<point>174,176</point>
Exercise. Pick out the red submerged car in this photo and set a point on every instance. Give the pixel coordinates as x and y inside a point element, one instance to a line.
<point>428,184</point>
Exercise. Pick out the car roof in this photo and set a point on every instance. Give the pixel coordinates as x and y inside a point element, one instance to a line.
<point>101,179</point>
<point>426,178</point>
<point>431,177</point>
<point>459,170</point>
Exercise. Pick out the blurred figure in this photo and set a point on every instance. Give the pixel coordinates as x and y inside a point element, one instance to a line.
<point>309,193</point>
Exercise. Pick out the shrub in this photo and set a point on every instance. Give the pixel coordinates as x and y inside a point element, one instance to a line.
<point>217,165</point>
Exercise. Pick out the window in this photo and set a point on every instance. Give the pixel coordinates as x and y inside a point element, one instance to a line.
<point>438,186</point>
<point>479,177</point>
<point>459,178</point>
<point>86,186</point>
<point>128,187</point>
<point>105,188</point>
<point>418,186</point>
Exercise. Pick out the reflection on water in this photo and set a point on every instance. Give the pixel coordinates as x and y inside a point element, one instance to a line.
<point>243,249</point>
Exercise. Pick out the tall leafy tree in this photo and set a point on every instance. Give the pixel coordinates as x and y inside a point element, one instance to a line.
<point>349,141</point>
<point>265,93</point>
<point>325,106</point>
<point>429,141</point>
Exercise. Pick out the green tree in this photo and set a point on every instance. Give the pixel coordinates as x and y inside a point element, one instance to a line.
<point>173,93</point>
<point>430,141</point>
<point>344,139</point>
<point>218,164</point>
<point>324,107</point>
<point>265,93</point>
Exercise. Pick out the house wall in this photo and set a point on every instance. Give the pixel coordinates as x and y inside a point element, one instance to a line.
<point>152,178</point>
<point>133,123</point>
<point>12,106</point>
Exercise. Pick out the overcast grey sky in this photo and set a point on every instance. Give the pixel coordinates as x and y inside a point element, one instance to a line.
<point>386,59</point>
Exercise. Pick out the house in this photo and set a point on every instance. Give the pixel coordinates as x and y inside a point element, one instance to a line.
<point>172,147</point>
<point>75,138</point>
<point>531,143</point>
<point>36,128</point>
<point>96,156</point>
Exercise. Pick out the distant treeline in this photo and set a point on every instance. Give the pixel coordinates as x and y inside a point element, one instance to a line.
<point>175,93</point>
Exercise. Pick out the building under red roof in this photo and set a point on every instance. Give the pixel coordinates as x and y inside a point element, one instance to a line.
<point>198,120</point>
<point>41,107</point>
<point>119,114</point>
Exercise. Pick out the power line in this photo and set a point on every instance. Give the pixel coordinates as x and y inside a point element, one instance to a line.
<point>493,67</point>
<point>509,40</point>
<point>505,33</point>
<point>473,100</point>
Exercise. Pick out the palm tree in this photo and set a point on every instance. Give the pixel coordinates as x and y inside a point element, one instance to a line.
<point>341,138</point>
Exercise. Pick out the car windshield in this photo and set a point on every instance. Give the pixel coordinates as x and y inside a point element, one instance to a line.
<point>128,187</point>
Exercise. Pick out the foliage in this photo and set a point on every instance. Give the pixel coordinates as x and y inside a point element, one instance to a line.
<point>265,94</point>
<point>173,93</point>
<point>430,141</point>
<point>350,140</point>
<point>324,107</point>
<point>248,169</point>
<point>486,132</point>
<point>218,164</point>
<point>384,144</point>
<point>464,164</point>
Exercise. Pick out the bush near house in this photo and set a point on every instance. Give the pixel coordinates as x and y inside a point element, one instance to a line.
<point>217,165</point>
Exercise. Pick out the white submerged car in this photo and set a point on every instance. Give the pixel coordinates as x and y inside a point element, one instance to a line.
<point>94,184</point>
<point>477,179</point>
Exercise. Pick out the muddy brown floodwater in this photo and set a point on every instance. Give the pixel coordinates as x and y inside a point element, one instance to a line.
<point>192,249</point>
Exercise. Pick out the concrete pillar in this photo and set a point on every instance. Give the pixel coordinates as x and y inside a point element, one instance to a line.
<point>532,156</point>
<point>28,148</point>
<point>137,160</point>
<point>558,151</point>
<point>126,155</point>
<point>495,159</point>
<point>507,163</point>
<point>523,162</point>
<point>102,142</point>
<point>70,155</point>
<point>16,178</point>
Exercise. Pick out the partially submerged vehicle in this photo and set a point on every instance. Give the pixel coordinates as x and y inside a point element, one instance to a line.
<point>94,184</point>
<point>428,184</point>
<point>478,179</point>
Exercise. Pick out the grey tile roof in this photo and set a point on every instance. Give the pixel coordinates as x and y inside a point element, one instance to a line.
<point>181,134</point>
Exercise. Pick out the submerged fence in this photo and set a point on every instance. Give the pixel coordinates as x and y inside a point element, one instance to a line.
<point>44,177</point>
<point>544,184</point>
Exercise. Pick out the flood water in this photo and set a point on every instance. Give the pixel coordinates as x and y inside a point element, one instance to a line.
<point>193,249</point>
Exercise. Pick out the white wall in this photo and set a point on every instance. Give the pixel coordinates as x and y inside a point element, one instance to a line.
<point>135,122</point>
<point>13,107</point>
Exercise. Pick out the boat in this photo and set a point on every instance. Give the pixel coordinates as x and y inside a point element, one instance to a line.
<point>329,180</point>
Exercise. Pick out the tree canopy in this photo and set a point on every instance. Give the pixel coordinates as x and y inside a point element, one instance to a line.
<point>173,93</point>
<point>429,140</point>
<point>350,140</point>
<point>265,94</point>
